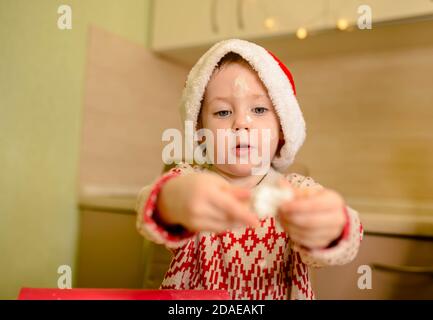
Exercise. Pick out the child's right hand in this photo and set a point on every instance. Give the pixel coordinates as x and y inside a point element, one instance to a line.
<point>205,202</point>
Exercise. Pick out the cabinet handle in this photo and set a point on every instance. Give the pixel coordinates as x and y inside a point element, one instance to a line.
<point>240,14</point>
<point>213,18</point>
<point>403,269</point>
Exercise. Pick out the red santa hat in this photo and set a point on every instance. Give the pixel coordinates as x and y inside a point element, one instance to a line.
<point>275,76</point>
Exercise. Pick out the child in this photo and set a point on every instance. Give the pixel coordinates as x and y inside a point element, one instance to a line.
<point>202,212</point>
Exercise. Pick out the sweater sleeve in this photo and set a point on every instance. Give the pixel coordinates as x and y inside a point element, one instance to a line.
<point>148,222</point>
<point>344,249</point>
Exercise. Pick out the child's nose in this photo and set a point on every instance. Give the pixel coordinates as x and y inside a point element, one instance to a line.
<point>242,121</point>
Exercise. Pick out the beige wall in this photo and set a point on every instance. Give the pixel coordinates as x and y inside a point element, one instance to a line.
<point>41,93</point>
<point>369,115</point>
<point>369,119</point>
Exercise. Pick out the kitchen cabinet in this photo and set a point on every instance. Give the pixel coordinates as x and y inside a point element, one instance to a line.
<point>261,18</point>
<point>110,250</point>
<point>158,260</point>
<point>194,22</point>
<point>112,254</point>
<point>381,10</point>
<point>402,268</point>
<point>189,23</point>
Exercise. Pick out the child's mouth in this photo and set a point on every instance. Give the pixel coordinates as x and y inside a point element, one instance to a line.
<point>242,149</point>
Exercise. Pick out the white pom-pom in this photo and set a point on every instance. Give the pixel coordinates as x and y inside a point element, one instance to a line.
<point>267,199</point>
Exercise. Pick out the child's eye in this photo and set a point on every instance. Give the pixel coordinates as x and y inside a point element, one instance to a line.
<point>260,110</point>
<point>222,113</point>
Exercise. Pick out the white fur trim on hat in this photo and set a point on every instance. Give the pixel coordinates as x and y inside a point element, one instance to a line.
<point>273,77</point>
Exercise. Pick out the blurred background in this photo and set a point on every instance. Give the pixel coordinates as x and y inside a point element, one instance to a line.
<point>88,87</point>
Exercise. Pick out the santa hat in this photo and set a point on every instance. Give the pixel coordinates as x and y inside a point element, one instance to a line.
<point>274,75</point>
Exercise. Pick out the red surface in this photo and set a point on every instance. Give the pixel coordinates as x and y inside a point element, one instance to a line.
<point>120,294</point>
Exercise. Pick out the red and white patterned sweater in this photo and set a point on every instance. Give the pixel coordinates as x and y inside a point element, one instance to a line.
<point>251,263</point>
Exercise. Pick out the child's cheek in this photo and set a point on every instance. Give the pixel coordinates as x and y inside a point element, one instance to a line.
<point>268,142</point>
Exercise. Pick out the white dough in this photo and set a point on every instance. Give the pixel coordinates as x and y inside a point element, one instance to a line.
<point>267,199</point>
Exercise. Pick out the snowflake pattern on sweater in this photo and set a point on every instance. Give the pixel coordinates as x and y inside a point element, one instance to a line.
<point>250,263</point>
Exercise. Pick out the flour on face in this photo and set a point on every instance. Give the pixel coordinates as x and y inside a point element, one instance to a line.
<point>240,87</point>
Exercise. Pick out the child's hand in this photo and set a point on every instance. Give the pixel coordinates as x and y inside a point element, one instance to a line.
<point>205,202</point>
<point>314,218</point>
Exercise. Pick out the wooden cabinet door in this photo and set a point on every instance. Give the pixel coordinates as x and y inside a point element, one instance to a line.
<point>259,18</point>
<point>381,10</point>
<point>386,256</point>
<point>158,260</point>
<point>190,22</point>
<point>399,9</point>
<point>178,24</point>
<point>110,251</point>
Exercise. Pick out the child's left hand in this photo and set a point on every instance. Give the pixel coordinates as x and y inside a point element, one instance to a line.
<point>314,218</point>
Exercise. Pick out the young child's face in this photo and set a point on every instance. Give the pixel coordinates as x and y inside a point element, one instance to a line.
<point>236,99</point>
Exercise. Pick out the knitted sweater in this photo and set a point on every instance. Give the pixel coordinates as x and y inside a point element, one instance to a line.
<point>250,263</point>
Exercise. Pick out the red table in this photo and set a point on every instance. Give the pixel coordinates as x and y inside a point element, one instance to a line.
<point>120,294</point>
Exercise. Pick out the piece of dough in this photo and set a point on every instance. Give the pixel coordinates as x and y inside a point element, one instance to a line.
<point>266,200</point>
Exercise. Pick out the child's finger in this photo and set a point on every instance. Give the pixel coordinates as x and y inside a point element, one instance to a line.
<point>211,220</point>
<point>303,236</point>
<point>235,210</point>
<point>311,221</point>
<point>241,194</point>
<point>284,183</point>
<point>218,216</point>
<point>297,192</point>
<point>319,201</point>
<point>305,192</point>
<point>211,225</point>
